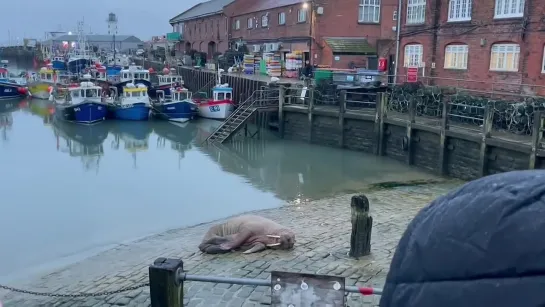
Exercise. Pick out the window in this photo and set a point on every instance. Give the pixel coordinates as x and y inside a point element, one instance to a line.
<point>505,57</point>
<point>236,25</point>
<point>459,10</point>
<point>264,21</point>
<point>281,18</point>
<point>301,15</point>
<point>413,55</point>
<point>394,16</point>
<point>416,11</point>
<point>456,56</point>
<point>543,64</point>
<point>509,8</point>
<point>250,23</point>
<point>369,11</point>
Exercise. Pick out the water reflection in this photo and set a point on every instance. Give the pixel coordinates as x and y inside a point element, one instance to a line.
<point>43,108</point>
<point>134,136</point>
<point>180,136</point>
<point>7,107</point>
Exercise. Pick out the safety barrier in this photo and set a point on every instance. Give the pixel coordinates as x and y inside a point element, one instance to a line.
<point>166,279</point>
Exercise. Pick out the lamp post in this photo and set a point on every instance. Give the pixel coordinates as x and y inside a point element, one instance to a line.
<point>310,9</point>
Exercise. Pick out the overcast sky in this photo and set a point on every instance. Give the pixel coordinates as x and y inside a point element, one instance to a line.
<point>31,19</point>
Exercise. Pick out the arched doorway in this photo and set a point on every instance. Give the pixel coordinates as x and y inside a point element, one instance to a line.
<point>187,47</point>
<point>211,49</point>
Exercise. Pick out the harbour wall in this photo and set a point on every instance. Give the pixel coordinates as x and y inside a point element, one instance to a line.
<point>444,132</point>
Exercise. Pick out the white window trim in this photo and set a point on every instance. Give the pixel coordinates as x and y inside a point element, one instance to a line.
<point>264,21</point>
<point>250,23</point>
<point>543,63</point>
<point>281,18</point>
<point>457,4</point>
<point>509,4</point>
<point>460,53</point>
<point>374,6</point>
<point>299,15</point>
<point>407,59</point>
<point>237,24</point>
<point>416,4</point>
<point>516,64</point>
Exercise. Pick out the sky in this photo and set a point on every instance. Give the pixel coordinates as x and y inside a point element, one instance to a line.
<point>53,15</point>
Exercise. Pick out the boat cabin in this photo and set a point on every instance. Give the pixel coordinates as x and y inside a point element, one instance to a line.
<point>170,79</point>
<point>58,59</point>
<point>99,74</point>
<point>46,75</point>
<point>132,91</point>
<point>85,91</point>
<point>134,72</point>
<point>4,74</point>
<point>222,93</point>
<point>181,94</point>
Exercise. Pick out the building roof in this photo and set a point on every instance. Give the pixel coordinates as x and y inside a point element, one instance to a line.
<point>263,5</point>
<point>202,9</point>
<point>352,45</point>
<point>98,38</point>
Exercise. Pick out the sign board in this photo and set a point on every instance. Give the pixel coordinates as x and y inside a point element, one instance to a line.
<point>173,36</point>
<point>412,74</point>
<point>337,58</point>
<point>306,290</point>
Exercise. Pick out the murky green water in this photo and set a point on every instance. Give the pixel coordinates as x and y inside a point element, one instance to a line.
<point>68,191</point>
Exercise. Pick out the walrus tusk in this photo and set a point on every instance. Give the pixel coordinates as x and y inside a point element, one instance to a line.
<point>271,236</point>
<point>274,244</point>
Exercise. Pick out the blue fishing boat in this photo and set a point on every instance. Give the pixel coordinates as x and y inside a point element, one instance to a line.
<point>9,88</point>
<point>133,74</point>
<point>58,63</point>
<point>169,79</point>
<point>82,103</point>
<point>132,104</point>
<point>177,108</point>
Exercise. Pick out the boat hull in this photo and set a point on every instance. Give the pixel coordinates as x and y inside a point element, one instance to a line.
<point>135,111</point>
<point>79,65</point>
<point>58,65</point>
<point>177,111</point>
<point>39,90</point>
<point>10,90</point>
<point>216,109</point>
<point>82,113</point>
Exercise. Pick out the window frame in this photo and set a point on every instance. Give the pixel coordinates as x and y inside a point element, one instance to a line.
<point>264,21</point>
<point>455,55</point>
<point>516,57</point>
<point>374,5</point>
<point>281,18</point>
<point>237,24</point>
<point>543,62</point>
<point>304,19</point>
<point>520,4</point>
<point>414,5</point>
<point>420,56</point>
<point>250,23</point>
<point>454,5</point>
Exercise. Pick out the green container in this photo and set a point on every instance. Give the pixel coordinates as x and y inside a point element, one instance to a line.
<point>322,74</point>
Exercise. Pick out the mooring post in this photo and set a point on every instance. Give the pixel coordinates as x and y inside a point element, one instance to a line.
<point>410,122</point>
<point>342,111</point>
<point>166,286</point>
<point>281,97</point>
<point>310,109</point>
<point>488,120</point>
<point>362,224</point>
<point>443,138</point>
<point>380,116</point>
<point>537,137</point>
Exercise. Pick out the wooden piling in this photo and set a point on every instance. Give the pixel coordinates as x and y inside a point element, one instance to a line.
<point>443,138</point>
<point>537,137</point>
<point>342,111</point>
<point>310,110</point>
<point>410,122</point>
<point>488,120</point>
<point>380,115</point>
<point>281,95</point>
<point>166,288</point>
<point>362,224</point>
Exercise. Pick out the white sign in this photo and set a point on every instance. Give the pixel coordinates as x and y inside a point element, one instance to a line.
<point>337,58</point>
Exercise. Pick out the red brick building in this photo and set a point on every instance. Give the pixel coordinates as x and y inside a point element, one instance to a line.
<point>479,42</point>
<point>203,27</point>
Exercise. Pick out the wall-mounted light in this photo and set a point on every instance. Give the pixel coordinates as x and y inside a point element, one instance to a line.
<point>483,42</point>
<point>305,5</point>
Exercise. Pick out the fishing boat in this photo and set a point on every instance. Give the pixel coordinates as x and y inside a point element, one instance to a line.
<point>45,82</point>
<point>85,142</point>
<point>58,63</point>
<point>10,89</point>
<point>220,106</point>
<point>169,79</point>
<point>132,104</point>
<point>133,74</point>
<point>80,58</point>
<point>82,103</point>
<point>179,107</point>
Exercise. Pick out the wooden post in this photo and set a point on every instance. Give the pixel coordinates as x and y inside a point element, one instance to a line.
<point>281,95</point>
<point>410,122</point>
<point>166,289</point>
<point>537,137</point>
<point>488,120</point>
<point>380,115</point>
<point>310,108</point>
<point>362,224</point>
<point>443,138</point>
<point>342,111</point>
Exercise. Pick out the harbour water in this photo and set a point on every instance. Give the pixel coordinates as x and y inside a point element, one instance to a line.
<point>70,191</point>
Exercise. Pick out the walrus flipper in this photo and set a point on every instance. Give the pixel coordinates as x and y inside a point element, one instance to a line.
<point>256,248</point>
<point>238,240</point>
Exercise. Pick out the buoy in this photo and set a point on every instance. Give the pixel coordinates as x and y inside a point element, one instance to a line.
<point>166,71</point>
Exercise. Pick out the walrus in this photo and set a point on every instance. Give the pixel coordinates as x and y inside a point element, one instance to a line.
<point>250,233</point>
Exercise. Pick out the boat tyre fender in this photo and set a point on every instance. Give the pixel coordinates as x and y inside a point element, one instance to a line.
<point>405,143</point>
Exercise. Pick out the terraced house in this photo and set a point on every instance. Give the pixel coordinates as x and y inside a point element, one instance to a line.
<point>474,44</point>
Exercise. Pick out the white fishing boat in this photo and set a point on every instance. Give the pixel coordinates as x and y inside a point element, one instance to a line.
<point>220,105</point>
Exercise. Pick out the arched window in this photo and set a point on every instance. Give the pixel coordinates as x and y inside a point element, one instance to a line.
<point>504,57</point>
<point>456,56</point>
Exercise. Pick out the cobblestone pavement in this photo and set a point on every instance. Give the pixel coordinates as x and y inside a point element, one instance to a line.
<point>323,233</point>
